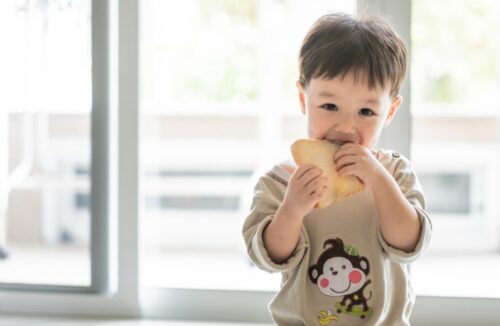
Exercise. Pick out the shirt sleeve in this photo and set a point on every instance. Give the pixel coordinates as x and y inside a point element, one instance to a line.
<point>266,201</point>
<point>410,186</point>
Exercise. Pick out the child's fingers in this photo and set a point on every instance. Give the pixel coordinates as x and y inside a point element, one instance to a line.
<point>345,161</point>
<point>343,156</point>
<point>309,175</point>
<point>319,193</point>
<point>316,184</point>
<point>299,172</point>
<point>348,170</point>
<point>349,149</point>
<point>305,170</point>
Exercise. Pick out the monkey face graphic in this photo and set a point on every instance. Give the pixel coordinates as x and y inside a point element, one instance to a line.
<point>341,272</point>
<point>339,277</point>
<point>337,273</point>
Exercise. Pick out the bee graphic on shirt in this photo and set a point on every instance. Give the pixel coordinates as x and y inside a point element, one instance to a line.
<point>341,272</point>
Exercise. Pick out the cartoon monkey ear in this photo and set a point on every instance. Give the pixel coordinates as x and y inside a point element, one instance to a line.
<point>330,243</point>
<point>313,273</point>
<point>337,242</point>
<point>365,266</point>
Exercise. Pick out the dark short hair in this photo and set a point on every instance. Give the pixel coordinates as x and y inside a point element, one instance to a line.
<point>368,47</point>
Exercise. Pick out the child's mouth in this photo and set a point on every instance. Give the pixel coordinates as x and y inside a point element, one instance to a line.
<point>339,142</point>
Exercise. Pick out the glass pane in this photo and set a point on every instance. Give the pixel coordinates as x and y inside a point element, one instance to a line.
<point>217,83</point>
<point>456,145</point>
<point>45,142</point>
<point>447,192</point>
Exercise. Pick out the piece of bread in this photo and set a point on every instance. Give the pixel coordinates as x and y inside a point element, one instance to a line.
<point>320,153</point>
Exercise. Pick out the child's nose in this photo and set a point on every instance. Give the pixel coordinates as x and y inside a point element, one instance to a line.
<point>345,129</point>
<point>345,126</point>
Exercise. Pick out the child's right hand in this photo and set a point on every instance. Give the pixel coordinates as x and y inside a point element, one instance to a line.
<point>305,188</point>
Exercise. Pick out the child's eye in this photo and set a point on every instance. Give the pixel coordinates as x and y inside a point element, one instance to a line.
<point>329,107</point>
<point>366,112</point>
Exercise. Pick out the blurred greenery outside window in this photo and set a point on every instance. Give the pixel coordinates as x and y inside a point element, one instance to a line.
<point>224,51</point>
<point>217,39</point>
<point>455,48</point>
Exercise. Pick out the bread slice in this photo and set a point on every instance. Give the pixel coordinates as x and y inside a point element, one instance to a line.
<point>320,153</point>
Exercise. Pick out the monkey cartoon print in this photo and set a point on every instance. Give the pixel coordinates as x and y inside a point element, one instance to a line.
<point>341,272</point>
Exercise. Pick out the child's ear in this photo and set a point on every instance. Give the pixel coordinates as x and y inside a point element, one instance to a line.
<point>302,96</point>
<point>395,105</point>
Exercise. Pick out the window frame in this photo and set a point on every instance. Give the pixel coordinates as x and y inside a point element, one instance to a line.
<point>114,258</point>
<point>117,164</point>
<point>99,223</point>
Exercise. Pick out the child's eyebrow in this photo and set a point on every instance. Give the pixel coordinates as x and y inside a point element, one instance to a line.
<point>326,94</point>
<point>372,101</point>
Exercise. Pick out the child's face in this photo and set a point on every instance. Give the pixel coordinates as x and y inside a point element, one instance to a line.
<point>343,110</point>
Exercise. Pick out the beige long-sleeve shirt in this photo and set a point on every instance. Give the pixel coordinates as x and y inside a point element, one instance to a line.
<point>342,271</point>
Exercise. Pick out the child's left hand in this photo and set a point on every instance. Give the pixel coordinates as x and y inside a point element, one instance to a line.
<point>357,160</point>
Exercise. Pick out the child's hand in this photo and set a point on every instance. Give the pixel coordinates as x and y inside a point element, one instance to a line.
<point>305,189</point>
<point>357,160</point>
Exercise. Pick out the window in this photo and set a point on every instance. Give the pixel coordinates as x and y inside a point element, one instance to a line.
<point>455,110</point>
<point>218,105</point>
<point>174,186</point>
<point>45,143</point>
<point>448,192</point>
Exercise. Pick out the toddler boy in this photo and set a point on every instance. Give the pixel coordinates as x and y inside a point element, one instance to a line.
<point>345,264</point>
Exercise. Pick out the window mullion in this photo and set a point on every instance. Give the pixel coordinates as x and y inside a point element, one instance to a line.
<point>397,136</point>
<point>100,167</point>
<point>128,151</point>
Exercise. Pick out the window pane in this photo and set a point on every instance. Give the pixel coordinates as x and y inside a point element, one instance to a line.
<point>44,142</point>
<point>217,83</point>
<point>447,192</point>
<point>456,147</point>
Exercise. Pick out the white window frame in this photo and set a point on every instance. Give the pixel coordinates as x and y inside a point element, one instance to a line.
<point>115,174</point>
<point>114,243</point>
